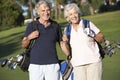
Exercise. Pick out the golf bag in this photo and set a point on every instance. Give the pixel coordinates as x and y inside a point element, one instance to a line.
<point>66,70</point>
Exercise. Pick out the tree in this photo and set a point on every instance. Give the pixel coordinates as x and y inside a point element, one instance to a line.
<point>90,4</point>
<point>91,7</point>
<point>30,4</point>
<point>31,9</point>
<point>10,14</point>
<point>58,9</point>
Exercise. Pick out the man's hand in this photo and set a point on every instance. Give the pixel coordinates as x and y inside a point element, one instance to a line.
<point>26,40</point>
<point>33,35</point>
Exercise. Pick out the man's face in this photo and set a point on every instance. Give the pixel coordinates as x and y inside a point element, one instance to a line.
<point>44,12</point>
<point>74,16</point>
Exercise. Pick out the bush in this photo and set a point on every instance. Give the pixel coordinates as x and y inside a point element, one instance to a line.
<point>106,8</point>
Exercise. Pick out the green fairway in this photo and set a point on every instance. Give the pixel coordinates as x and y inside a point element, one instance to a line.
<point>109,24</point>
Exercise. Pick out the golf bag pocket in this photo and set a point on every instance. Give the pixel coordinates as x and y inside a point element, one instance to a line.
<point>24,64</point>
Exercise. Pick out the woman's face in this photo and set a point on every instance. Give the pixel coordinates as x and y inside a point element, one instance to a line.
<point>44,12</point>
<point>73,16</point>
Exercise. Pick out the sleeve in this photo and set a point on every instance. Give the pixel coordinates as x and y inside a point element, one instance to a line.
<point>59,33</point>
<point>94,28</point>
<point>28,30</point>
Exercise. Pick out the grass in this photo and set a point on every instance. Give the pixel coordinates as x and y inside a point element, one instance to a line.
<point>10,45</point>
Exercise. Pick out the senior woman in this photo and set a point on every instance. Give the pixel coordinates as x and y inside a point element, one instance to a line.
<point>86,59</point>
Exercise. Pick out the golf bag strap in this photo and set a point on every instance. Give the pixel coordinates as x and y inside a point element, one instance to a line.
<point>101,51</point>
<point>34,23</point>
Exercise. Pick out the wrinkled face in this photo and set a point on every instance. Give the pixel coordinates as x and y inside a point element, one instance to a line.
<point>73,16</point>
<point>44,12</point>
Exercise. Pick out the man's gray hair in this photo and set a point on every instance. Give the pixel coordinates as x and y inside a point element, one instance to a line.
<point>68,7</point>
<point>40,3</point>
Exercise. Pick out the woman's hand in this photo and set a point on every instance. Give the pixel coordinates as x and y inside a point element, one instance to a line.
<point>65,38</point>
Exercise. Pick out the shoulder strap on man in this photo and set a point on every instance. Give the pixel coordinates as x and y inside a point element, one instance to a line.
<point>35,27</point>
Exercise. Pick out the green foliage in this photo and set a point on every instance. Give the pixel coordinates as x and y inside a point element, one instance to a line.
<point>10,45</point>
<point>24,2</point>
<point>63,2</point>
<point>85,7</point>
<point>106,8</point>
<point>10,14</point>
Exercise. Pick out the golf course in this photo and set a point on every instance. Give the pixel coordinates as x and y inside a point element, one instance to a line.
<point>108,23</point>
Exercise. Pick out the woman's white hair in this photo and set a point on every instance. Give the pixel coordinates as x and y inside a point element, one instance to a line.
<point>68,7</point>
<point>40,3</point>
